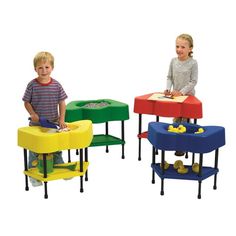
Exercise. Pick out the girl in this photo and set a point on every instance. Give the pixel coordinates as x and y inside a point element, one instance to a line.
<point>183,72</point>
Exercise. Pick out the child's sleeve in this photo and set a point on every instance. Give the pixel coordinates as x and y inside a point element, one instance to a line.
<point>62,94</point>
<point>169,77</point>
<point>193,80</point>
<point>28,93</point>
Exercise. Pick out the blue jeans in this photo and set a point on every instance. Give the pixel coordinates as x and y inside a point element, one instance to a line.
<point>57,158</point>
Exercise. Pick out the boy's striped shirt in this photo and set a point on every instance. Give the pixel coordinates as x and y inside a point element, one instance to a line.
<point>45,98</point>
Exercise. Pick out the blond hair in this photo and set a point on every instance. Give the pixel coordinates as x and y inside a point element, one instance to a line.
<point>188,38</point>
<point>44,57</point>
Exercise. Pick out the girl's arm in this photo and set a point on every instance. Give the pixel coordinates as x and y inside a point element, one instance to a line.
<point>193,80</point>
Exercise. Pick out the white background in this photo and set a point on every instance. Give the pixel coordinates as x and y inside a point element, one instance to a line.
<point>117,50</point>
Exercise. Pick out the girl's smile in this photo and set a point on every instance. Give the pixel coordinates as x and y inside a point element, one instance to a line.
<point>183,49</point>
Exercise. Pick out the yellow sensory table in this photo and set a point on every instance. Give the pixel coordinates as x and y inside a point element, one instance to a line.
<point>46,141</point>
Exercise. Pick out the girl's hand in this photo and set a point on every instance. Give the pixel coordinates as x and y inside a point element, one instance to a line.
<point>167,92</point>
<point>176,93</point>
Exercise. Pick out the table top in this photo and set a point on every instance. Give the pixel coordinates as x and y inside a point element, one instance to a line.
<point>191,107</point>
<point>98,111</point>
<point>210,139</point>
<point>45,140</point>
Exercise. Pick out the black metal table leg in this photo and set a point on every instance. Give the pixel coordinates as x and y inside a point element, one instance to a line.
<point>193,155</point>
<point>81,184</point>
<point>157,120</point>
<point>216,166</point>
<point>81,170</point>
<point>200,174</point>
<point>193,158</point>
<point>26,168</point>
<point>139,132</point>
<point>199,189</point>
<point>163,162</point>
<point>153,162</point>
<point>45,175</point>
<point>163,170</point>
<point>45,190</point>
<point>86,160</point>
<point>139,149</point>
<point>162,186</point>
<point>107,132</point>
<point>123,138</point>
<point>69,158</point>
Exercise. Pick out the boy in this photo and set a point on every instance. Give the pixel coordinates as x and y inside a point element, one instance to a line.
<point>43,96</point>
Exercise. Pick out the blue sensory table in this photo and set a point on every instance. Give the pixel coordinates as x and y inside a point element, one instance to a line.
<point>210,139</point>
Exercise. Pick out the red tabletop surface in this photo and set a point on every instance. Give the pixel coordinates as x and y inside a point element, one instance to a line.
<point>190,108</point>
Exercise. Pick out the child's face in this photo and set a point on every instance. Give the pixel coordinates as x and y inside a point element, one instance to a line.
<point>44,70</point>
<point>182,49</point>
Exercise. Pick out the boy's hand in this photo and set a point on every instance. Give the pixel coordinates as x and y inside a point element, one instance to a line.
<point>34,117</point>
<point>62,124</point>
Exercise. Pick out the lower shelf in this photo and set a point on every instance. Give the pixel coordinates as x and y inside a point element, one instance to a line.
<point>58,173</point>
<point>171,173</point>
<point>143,135</point>
<point>105,140</point>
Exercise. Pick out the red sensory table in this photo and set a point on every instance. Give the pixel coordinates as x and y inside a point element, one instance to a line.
<point>190,108</point>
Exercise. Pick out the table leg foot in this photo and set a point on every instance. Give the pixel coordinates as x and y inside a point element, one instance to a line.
<point>199,189</point>
<point>153,177</point>
<point>26,183</point>
<point>81,184</point>
<point>45,190</point>
<point>162,186</point>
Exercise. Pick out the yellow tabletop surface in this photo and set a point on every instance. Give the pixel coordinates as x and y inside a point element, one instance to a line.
<point>46,140</point>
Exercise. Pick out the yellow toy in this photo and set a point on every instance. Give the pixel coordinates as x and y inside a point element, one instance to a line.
<point>177,164</point>
<point>166,165</point>
<point>195,168</point>
<point>179,129</point>
<point>182,170</point>
<point>200,130</point>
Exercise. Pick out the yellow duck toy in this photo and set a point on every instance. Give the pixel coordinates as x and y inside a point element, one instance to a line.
<point>179,129</point>
<point>166,165</point>
<point>182,170</point>
<point>200,130</point>
<point>195,168</point>
<point>179,166</point>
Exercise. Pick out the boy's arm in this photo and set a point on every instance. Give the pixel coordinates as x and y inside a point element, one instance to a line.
<point>62,112</point>
<point>33,115</point>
